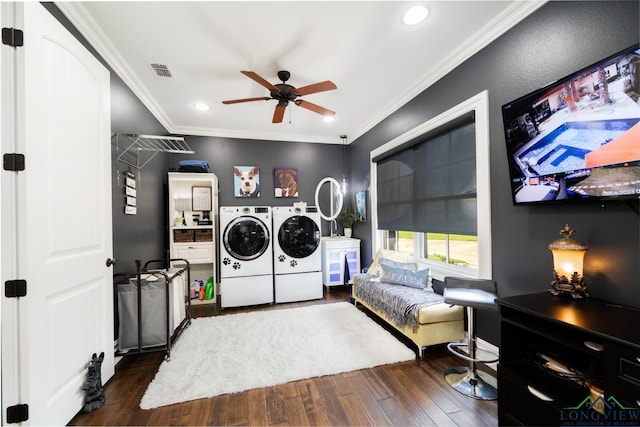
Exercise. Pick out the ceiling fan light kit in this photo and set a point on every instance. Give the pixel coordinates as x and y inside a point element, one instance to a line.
<point>285,93</point>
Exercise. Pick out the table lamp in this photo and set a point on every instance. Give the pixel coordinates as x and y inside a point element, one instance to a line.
<point>568,260</point>
<point>182,205</point>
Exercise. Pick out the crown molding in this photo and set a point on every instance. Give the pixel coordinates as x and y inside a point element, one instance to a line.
<point>78,16</point>
<point>482,38</point>
<point>260,136</point>
<point>90,30</point>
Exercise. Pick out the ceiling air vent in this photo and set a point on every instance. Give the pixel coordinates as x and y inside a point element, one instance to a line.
<point>160,70</point>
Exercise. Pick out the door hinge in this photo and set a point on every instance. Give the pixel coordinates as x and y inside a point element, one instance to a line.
<point>13,162</point>
<point>15,288</point>
<point>17,413</point>
<point>12,37</point>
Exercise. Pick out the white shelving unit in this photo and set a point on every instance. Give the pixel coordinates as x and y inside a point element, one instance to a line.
<point>337,254</point>
<point>194,194</point>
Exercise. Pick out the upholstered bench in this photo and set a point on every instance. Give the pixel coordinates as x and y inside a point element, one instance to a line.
<point>401,295</point>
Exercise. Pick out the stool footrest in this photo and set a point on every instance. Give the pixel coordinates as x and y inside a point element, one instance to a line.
<point>473,384</point>
<point>454,347</point>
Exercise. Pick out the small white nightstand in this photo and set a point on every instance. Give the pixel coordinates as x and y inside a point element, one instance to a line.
<point>340,255</point>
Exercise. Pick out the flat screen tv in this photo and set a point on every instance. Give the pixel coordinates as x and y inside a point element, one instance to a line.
<point>578,138</point>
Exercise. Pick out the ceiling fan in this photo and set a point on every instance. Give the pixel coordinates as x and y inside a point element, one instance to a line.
<point>284,93</point>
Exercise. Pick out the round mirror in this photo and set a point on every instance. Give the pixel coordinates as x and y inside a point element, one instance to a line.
<point>329,198</point>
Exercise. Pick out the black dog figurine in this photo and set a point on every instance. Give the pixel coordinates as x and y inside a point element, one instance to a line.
<point>94,392</point>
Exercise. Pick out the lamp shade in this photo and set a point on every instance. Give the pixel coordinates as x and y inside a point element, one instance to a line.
<point>568,261</point>
<point>183,204</point>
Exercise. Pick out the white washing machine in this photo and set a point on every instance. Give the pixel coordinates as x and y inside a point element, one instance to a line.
<point>246,256</point>
<point>297,255</point>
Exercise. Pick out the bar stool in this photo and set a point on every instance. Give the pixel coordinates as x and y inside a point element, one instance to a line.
<point>471,293</point>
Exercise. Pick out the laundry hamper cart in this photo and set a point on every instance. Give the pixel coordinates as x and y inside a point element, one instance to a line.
<point>146,320</point>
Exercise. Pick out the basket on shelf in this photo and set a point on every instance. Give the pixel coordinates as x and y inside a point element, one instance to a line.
<point>204,235</point>
<point>183,236</point>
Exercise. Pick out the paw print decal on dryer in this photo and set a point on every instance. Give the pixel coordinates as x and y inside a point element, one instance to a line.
<point>281,258</point>
<point>293,263</point>
<point>226,261</point>
<point>236,265</point>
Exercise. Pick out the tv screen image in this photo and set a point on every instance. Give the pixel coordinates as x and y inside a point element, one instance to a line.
<point>579,137</point>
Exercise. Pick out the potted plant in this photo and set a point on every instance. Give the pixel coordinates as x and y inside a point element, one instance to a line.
<point>346,218</point>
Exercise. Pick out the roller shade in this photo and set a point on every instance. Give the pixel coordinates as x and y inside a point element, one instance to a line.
<point>430,186</point>
<point>459,121</point>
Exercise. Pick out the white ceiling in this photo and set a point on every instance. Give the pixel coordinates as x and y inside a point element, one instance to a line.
<point>377,62</point>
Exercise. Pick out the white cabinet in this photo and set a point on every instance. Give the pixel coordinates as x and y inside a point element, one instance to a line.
<point>195,253</point>
<point>193,214</point>
<point>340,257</point>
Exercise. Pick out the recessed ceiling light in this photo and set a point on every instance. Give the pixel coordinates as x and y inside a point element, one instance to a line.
<point>415,15</point>
<point>329,119</point>
<point>201,106</point>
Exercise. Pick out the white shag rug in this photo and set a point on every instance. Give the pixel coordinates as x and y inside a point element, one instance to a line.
<point>238,352</point>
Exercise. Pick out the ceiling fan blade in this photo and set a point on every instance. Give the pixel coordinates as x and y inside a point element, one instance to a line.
<point>255,77</point>
<point>235,101</point>
<point>278,114</point>
<point>316,87</point>
<point>315,108</point>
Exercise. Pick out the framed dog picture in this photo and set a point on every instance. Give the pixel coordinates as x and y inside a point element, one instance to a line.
<point>361,206</point>
<point>246,181</point>
<point>285,182</point>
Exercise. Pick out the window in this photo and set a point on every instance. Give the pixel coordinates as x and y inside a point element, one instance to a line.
<point>432,198</point>
<point>398,241</point>
<point>455,249</point>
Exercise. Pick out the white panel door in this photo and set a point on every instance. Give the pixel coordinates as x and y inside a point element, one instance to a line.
<point>63,221</point>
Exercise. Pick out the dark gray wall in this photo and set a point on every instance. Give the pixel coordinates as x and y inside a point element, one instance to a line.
<point>142,236</point>
<point>313,161</point>
<point>556,40</point>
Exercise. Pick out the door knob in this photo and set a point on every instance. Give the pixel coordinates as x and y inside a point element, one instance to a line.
<point>110,262</point>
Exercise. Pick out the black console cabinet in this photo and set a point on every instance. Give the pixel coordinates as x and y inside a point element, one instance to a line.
<point>598,344</point>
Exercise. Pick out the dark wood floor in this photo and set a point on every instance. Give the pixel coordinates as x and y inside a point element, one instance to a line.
<point>404,394</point>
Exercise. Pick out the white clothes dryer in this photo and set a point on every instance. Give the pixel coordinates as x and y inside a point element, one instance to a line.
<point>246,256</point>
<point>297,256</point>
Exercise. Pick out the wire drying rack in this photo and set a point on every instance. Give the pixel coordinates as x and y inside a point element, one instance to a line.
<point>138,150</point>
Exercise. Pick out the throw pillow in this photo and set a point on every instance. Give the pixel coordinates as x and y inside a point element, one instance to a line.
<point>374,268</point>
<point>404,275</point>
<point>422,266</point>
<point>413,266</point>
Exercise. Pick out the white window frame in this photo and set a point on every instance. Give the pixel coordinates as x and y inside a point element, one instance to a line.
<point>479,105</point>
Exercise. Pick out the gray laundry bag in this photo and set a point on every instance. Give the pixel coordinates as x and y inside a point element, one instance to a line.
<point>154,313</point>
